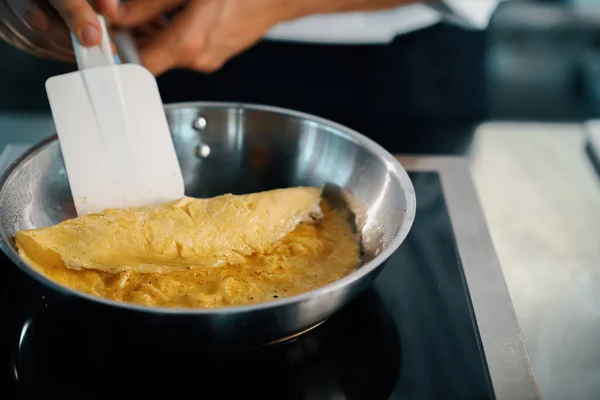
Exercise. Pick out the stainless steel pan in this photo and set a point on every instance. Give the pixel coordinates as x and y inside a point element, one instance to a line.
<point>236,148</point>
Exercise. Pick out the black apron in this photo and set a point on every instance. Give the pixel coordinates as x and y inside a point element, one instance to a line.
<point>419,93</point>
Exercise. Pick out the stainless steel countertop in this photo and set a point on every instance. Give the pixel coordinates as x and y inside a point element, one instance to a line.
<point>541,199</point>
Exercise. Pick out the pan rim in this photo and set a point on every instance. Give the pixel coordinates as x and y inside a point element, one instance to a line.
<point>393,166</point>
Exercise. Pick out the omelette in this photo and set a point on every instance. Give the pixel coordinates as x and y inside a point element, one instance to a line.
<point>199,253</point>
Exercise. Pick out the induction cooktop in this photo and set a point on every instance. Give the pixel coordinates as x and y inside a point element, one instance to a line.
<point>438,323</point>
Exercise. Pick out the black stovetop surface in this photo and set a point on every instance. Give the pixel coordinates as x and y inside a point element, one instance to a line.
<point>410,337</point>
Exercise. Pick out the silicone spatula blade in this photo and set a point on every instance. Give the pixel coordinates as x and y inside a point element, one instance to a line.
<point>113,133</point>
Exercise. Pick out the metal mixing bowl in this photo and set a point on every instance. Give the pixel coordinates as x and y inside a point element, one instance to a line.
<point>235,148</point>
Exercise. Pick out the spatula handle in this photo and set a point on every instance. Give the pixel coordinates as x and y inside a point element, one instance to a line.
<point>95,56</point>
<point>126,47</point>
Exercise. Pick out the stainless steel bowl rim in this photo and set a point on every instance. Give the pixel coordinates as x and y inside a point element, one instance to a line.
<point>391,161</point>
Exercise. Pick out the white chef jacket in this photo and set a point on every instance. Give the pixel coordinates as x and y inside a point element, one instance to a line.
<point>382,26</point>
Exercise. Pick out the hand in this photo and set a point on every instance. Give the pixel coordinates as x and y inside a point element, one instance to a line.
<point>42,27</point>
<point>81,17</point>
<point>203,34</point>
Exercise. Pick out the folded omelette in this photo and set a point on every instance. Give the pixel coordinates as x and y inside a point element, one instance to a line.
<point>184,234</point>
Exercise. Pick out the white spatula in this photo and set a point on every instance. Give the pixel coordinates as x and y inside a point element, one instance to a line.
<point>113,133</point>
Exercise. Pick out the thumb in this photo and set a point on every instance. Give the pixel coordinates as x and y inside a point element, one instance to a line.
<point>81,18</point>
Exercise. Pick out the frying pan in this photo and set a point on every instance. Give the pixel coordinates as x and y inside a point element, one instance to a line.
<point>228,148</point>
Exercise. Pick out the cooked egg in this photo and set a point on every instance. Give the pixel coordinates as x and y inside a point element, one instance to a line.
<point>200,253</point>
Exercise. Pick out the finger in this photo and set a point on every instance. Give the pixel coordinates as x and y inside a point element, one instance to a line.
<point>34,17</point>
<point>81,19</point>
<point>52,36</point>
<point>136,12</point>
<point>208,66</point>
<point>176,45</point>
<point>108,8</point>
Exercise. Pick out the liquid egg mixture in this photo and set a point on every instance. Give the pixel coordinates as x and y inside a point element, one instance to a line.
<point>200,253</point>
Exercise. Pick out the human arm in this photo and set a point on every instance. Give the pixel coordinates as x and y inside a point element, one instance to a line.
<point>204,34</point>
